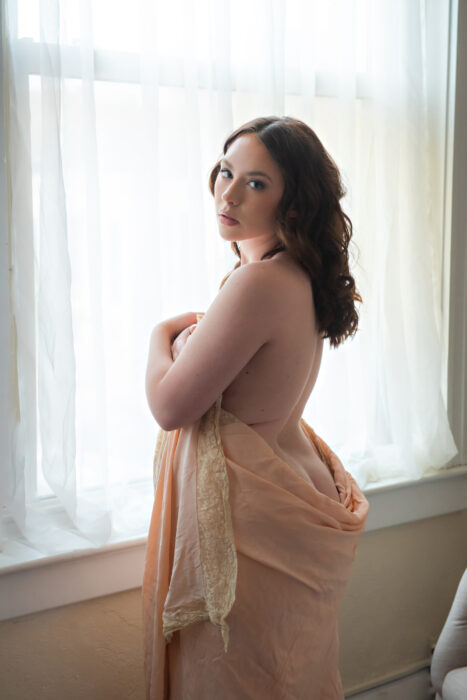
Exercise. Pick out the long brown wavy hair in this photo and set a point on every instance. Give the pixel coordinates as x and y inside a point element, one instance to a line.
<point>311,224</point>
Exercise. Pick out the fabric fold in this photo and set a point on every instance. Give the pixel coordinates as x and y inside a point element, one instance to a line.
<point>246,565</point>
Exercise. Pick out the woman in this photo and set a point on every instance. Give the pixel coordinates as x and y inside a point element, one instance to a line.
<point>255,521</point>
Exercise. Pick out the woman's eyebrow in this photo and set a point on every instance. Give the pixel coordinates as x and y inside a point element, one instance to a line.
<point>253,172</point>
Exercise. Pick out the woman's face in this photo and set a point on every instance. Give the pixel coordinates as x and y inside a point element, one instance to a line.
<point>247,191</point>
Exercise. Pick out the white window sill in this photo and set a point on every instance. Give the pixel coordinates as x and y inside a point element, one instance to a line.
<point>34,582</point>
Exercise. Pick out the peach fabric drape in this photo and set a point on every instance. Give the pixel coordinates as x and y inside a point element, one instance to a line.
<point>246,564</point>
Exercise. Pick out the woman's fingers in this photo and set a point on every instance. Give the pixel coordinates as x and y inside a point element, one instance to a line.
<point>179,342</point>
<point>176,324</point>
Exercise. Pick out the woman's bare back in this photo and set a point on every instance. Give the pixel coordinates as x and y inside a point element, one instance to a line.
<point>271,391</point>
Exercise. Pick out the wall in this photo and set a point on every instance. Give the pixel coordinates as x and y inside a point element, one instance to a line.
<point>86,651</point>
<point>401,589</point>
<point>402,585</point>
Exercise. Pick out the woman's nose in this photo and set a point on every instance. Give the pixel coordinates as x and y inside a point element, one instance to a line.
<point>231,194</point>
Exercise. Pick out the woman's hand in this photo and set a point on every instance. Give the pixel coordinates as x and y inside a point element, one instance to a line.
<point>175,325</point>
<point>180,341</point>
<point>162,355</point>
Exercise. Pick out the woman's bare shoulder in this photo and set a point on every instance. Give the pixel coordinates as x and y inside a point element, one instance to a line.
<point>282,275</point>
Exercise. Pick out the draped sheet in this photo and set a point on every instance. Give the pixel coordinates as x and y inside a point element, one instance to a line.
<point>246,565</point>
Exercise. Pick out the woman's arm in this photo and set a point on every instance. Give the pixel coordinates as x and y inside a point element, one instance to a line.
<point>237,324</point>
<point>160,357</point>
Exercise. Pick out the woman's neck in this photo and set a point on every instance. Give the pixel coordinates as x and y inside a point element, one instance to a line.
<point>252,251</point>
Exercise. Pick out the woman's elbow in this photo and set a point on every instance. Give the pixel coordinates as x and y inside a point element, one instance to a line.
<point>159,408</point>
<point>162,420</point>
<point>170,415</point>
<point>170,407</point>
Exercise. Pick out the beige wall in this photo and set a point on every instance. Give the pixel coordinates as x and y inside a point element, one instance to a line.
<point>402,585</point>
<point>401,589</point>
<point>86,651</point>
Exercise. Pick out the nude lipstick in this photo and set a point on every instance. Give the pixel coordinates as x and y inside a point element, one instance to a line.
<point>227,220</point>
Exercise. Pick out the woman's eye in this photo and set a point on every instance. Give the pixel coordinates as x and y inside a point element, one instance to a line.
<point>256,184</point>
<point>225,173</point>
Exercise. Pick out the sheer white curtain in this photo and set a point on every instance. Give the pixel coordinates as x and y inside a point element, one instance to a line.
<point>116,113</point>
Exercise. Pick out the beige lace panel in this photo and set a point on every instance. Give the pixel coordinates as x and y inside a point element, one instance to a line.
<point>217,545</point>
<point>218,554</point>
<point>173,620</point>
<point>225,418</point>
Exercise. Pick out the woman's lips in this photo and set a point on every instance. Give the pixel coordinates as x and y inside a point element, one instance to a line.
<point>227,220</point>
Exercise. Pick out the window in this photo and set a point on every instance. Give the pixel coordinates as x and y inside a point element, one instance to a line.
<point>112,128</point>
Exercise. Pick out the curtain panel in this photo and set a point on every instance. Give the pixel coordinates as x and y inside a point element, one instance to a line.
<point>115,115</point>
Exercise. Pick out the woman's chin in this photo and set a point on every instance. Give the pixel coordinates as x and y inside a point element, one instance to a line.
<point>228,236</point>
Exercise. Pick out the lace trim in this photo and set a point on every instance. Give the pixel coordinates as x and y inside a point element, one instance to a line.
<point>217,545</point>
<point>173,620</point>
<point>226,418</point>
